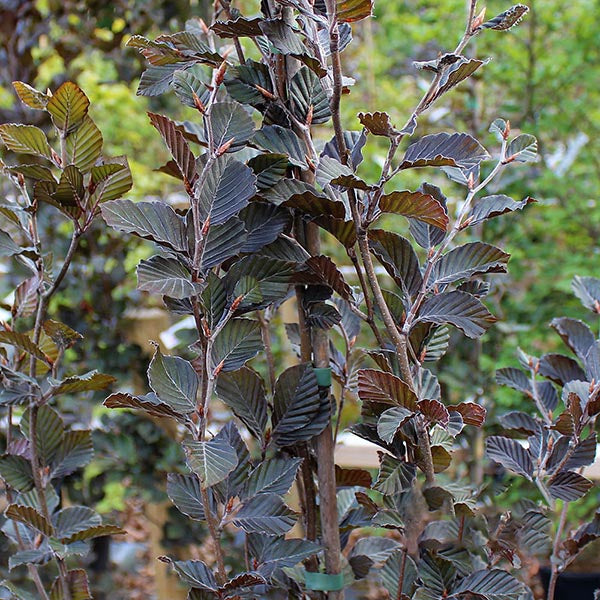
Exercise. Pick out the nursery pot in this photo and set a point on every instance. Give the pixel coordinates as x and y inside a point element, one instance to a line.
<point>572,586</point>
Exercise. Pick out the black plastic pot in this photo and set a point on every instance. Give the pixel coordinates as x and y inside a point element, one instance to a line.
<point>572,586</point>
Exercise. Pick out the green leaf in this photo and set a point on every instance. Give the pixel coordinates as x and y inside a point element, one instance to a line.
<point>298,411</point>
<point>93,532</point>
<point>68,106</point>
<point>396,254</point>
<point>308,97</point>
<point>35,172</point>
<point>89,382</point>
<point>174,381</point>
<point>265,513</point>
<point>115,185</point>
<point>167,276</point>
<point>225,190</point>
<point>16,472</point>
<point>463,262</point>
<point>177,145</point>
<point>459,309</point>
<point>395,476</point>
<point>272,476</point>
<point>186,494</point>
<point>212,461</point>
<point>84,146</point>
<point>244,392</point>
<point>30,96</point>
<point>25,139</point>
<point>78,586</point>
<point>230,121</point>
<point>154,221</point>
<point>238,342</point>
<point>30,517</point>
<point>416,205</point>
<point>70,190</point>
<point>510,454</point>
<point>522,149</point>
<point>349,11</point>
<point>62,335</point>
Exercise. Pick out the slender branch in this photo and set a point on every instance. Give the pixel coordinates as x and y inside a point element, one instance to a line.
<point>266,337</point>
<point>401,575</point>
<point>459,225</point>
<point>66,264</point>
<point>536,397</point>
<point>554,559</point>
<point>236,41</point>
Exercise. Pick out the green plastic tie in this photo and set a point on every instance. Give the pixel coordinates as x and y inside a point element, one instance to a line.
<point>324,582</point>
<point>323,376</point>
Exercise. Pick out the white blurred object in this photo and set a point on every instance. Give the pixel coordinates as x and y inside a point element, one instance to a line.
<point>562,159</point>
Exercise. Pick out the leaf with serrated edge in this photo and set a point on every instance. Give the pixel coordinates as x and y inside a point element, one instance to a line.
<point>265,513</point>
<point>167,276</point>
<point>460,309</point>
<point>154,221</point>
<point>243,391</point>
<point>212,461</point>
<point>186,494</point>
<point>510,454</point>
<point>174,381</point>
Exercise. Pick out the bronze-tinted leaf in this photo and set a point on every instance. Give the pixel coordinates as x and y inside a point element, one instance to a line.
<point>378,386</point>
<point>415,205</point>
<point>378,123</point>
<point>472,414</point>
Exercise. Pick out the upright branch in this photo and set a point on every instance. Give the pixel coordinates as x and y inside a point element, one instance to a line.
<point>73,181</point>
